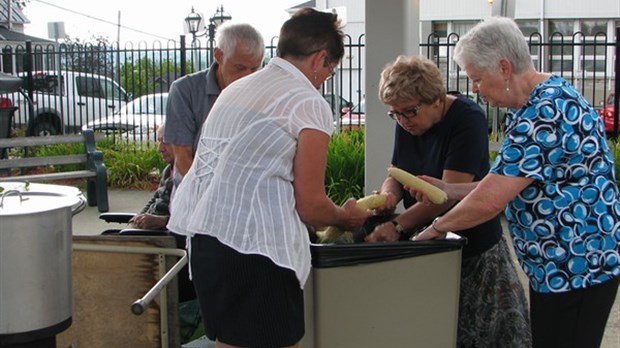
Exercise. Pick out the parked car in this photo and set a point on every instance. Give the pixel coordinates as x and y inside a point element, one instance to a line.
<point>353,117</point>
<point>136,121</point>
<point>64,102</point>
<point>337,103</point>
<point>607,113</point>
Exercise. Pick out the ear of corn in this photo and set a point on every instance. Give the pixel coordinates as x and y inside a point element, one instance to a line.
<point>435,194</point>
<point>332,233</point>
<point>371,201</point>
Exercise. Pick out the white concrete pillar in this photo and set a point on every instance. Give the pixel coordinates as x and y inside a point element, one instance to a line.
<point>392,29</point>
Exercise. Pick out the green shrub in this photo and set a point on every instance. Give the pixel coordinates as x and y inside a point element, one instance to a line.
<point>58,150</point>
<point>131,165</point>
<point>344,177</point>
<point>614,146</point>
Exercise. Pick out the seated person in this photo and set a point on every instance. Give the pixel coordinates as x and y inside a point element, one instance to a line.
<point>155,214</point>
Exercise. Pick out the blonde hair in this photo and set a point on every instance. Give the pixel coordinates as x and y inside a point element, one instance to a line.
<point>410,78</point>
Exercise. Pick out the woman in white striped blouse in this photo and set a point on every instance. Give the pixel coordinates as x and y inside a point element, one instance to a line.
<point>256,183</point>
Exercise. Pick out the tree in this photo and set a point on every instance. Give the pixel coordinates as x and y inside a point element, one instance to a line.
<point>145,76</point>
<point>93,56</point>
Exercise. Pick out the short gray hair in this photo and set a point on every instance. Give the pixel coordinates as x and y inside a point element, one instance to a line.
<point>491,40</point>
<point>229,35</point>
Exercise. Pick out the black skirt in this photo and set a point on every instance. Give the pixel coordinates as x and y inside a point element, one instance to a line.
<point>245,299</point>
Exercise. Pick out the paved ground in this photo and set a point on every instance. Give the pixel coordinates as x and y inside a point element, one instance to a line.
<point>88,223</point>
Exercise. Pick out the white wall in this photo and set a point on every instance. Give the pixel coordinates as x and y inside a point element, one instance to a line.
<point>446,10</point>
<point>583,9</point>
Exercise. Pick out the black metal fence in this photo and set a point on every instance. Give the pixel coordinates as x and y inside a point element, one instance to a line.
<point>72,85</point>
<point>589,63</point>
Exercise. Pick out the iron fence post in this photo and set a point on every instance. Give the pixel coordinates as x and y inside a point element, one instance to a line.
<point>617,83</point>
<point>183,55</point>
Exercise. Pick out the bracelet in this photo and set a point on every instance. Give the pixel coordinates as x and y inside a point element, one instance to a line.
<point>399,228</point>
<point>435,228</point>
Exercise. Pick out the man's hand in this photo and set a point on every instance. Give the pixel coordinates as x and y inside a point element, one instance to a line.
<point>149,222</point>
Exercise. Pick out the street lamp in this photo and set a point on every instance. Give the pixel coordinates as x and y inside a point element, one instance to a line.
<point>195,23</point>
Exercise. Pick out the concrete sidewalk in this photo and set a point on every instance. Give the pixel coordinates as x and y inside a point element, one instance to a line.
<point>87,222</point>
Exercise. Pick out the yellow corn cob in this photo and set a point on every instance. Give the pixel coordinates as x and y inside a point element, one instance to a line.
<point>332,233</point>
<point>435,194</point>
<point>371,201</point>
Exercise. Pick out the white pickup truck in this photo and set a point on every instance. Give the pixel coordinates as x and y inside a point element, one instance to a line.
<point>64,103</point>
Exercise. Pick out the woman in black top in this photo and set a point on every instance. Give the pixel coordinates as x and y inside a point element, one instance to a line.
<point>445,136</point>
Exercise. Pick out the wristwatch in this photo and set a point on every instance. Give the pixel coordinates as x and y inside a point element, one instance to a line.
<point>399,228</point>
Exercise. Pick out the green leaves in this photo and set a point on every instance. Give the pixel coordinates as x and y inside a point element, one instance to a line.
<point>130,165</point>
<point>344,176</point>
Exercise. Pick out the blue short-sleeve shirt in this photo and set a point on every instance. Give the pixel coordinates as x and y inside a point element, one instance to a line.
<point>565,226</point>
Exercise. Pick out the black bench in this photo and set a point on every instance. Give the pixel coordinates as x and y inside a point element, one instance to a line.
<point>92,160</point>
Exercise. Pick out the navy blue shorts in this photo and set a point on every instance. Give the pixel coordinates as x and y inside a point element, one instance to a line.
<point>245,299</point>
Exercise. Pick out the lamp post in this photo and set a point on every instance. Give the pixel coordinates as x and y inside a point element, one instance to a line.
<point>195,24</point>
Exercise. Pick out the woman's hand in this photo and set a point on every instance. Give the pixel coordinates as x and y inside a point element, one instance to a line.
<point>429,233</point>
<point>386,232</point>
<point>421,196</point>
<point>389,206</point>
<point>354,216</point>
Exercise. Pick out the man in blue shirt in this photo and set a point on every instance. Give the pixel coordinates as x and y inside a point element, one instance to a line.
<point>239,52</point>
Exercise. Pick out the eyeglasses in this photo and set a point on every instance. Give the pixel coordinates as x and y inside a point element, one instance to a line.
<point>331,67</point>
<point>406,114</point>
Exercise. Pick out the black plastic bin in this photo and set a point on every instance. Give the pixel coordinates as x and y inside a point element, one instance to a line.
<point>399,294</point>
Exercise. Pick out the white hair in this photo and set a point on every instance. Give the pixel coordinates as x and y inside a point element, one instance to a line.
<point>229,35</point>
<point>491,40</point>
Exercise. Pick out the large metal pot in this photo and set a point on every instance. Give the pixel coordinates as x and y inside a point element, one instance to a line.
<point>35,263</point>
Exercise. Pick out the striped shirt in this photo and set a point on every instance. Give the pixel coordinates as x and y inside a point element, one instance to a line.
<point>240,186</point>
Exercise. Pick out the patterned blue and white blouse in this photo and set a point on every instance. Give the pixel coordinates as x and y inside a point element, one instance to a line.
<point>565,226</point>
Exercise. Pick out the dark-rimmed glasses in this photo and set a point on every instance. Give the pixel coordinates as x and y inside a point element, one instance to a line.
<point>406,114</point>
<point>331,67</point>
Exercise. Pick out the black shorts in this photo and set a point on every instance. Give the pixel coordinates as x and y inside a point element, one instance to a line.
<point>245,299</point>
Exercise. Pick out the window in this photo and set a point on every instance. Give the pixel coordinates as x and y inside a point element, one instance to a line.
<point>7,60</point>
<point>112,90</point>
<point>439,42</point>
<point>88,87</point>
<point>562,46</point>
<point>594,39</point>
<point>531,31</point>
<point>46,83</point>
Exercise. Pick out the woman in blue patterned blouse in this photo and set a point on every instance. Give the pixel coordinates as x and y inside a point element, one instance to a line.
<point>554,175</point>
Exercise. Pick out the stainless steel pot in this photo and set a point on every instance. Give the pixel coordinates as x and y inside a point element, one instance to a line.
<point>35,263</point>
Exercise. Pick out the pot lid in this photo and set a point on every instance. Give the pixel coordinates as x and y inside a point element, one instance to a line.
<point>21,200</point>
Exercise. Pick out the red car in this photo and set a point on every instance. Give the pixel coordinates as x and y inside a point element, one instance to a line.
<point>607,113</point>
